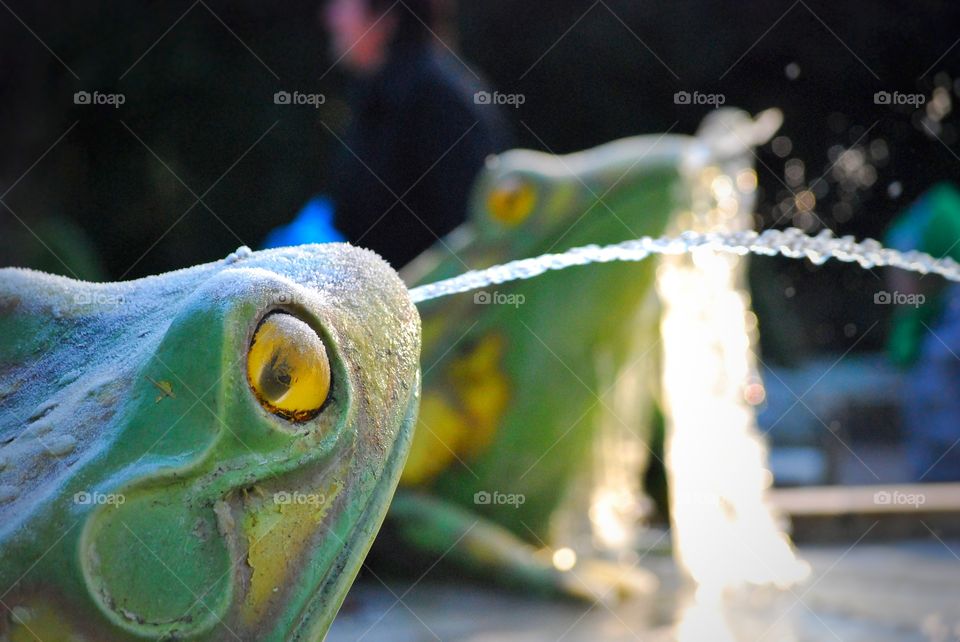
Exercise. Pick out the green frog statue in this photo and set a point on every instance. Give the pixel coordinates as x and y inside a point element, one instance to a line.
<point>201,455</point>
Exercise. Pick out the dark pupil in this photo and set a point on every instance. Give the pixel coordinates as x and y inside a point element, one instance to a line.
<point>275,379</point>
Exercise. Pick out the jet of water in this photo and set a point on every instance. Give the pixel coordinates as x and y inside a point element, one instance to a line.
<point>791,243</point>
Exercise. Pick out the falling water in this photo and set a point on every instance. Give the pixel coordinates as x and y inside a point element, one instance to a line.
<point>791,243</point>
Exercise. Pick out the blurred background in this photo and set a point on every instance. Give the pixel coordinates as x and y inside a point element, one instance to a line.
<point>199,159</point>
<point>112,190</point>
<point>199,78</point>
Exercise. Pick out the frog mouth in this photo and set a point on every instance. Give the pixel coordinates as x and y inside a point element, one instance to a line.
<point>303,548</point>
<point>318,615</point>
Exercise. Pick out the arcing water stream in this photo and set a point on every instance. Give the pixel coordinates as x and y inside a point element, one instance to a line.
<point>791,243</point>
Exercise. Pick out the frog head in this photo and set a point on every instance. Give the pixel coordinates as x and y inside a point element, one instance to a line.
<point>533,201</point>
<point>526,202</point>
<point>204,454</point>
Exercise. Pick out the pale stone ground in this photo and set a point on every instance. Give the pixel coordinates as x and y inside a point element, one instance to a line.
<point>901,592</point>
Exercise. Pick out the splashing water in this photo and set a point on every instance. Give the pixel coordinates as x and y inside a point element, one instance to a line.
<point>791,243</point>
<point>725,533</point>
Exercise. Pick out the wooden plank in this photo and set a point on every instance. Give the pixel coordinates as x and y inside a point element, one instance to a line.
<point>874,500</point>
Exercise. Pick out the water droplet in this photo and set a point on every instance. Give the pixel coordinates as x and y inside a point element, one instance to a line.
<point>241,253</point>
<point>564,559</point>
<point>781,146</point>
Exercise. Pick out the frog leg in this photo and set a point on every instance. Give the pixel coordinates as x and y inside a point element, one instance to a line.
<point>437,533</point>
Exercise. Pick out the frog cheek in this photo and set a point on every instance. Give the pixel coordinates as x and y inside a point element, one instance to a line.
<point>154,568</point>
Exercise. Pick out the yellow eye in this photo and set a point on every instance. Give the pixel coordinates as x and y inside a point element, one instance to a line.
<point>288,368</point>
<point>512,201</point>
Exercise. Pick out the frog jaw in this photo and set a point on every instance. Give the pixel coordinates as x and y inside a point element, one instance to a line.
<point>299,539</point>
<point>318,615</point>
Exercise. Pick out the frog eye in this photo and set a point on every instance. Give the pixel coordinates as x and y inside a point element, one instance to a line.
<point>288,368</point>
<point>512,201</point>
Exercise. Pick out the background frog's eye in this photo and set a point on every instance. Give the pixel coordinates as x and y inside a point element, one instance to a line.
<point>512,201</point>
<point>288,368</point>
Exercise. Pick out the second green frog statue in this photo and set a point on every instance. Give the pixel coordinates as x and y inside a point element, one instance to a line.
<point>539,395</point>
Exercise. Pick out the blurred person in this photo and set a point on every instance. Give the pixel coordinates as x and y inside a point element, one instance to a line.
<point>925,335</point>
<point>417,133</point>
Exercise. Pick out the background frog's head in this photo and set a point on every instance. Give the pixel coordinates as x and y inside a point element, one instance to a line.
<point>534,202</point>
<point>525,203</point>
<point>245,422</point>
<point>540,202</point>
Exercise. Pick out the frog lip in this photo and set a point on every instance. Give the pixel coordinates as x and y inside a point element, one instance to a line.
<point>321,579</point>
<point>318,615</point>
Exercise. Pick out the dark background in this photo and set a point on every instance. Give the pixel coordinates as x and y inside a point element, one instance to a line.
<point>112,198</point>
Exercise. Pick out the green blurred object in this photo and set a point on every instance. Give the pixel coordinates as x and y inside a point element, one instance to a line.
<point>932,225</point>
<point>55,245</point>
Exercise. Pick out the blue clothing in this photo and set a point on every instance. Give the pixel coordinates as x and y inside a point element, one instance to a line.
<point>312,224</point>
<point>418,138</point>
